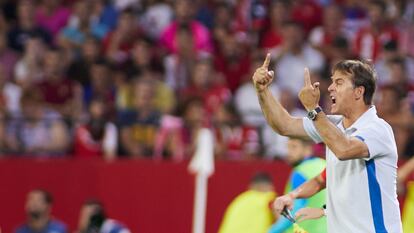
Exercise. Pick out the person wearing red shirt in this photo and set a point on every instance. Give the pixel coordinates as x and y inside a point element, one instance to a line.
<point>370,40</point>
<point>234,141</point>
<point>205,85</point>
<point>279,14</point>
<point>98,137</point>
<point>306,12</point>
<point>59,93</point>
<point>118,43</point>
<point>322,37</point>
<point>233,62</point>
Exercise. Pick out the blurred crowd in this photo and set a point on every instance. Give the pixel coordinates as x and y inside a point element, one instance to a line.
<point>139,78</point>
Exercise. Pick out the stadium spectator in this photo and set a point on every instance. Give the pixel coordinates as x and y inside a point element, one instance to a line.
<point>370,40</point>
<point>249,17</point>
<point>10,94</point>
<point>119,42</point>
<point>165,100</point>
<point>279,14</point>
<point>4,24</point>
<point>394,108</point>
<point>26,27</point>
<point>52,15</point>
<point>355,16</point>
<point>29,69</point>
<point>194,116</point>
<point>124,98</point>
<point>79,27</point>
<point>38,210</point>
<point>390,60</point>
<point>307,13</point>
<point>169,142</point>
<point>206,84</point>
<point>205,13</point>
<point>223,23</point>
<point>143,58</point>
<point>93,219</point>
<point>178,65</point>
<point>397,74</point>
<point>234,141</point>
<point>59,93</point>
<point>138,127</point>
<point>79,69</point>
<point>340,49</point>
<point>101,85</point>
<point>8,57</point>
<point>157,16</point>
<point>39,131</point>
<point>232,61</point>
<point>184,18</point>
<point>295,54</point>
<point>305,167</point>
<point>249,212</point>
<point>323,36</point>
<point>98,137</point>
<point>104,13</point>
<point>406,23</point>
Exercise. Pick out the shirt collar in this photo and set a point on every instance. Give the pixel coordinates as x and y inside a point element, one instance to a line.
<point>367,116</point>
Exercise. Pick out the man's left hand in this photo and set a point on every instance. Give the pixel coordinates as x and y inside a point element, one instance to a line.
<point>310,93</point>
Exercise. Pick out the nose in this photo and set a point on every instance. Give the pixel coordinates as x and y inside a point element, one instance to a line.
<point>331,87</point>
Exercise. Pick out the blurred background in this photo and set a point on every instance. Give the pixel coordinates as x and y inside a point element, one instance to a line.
<point>104,98</point>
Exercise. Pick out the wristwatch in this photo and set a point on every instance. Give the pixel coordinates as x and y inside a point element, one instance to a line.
<point>312,114</point>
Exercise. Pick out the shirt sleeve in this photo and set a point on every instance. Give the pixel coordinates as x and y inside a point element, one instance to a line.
<point>297,180</point>
<point>378,138</point>
<point>313,132</point>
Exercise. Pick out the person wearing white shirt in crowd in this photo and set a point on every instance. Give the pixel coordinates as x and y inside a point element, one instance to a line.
<point>361,152</point>
<point>294,54</point>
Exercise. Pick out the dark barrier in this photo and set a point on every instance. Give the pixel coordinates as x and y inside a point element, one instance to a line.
<point>150,197</point>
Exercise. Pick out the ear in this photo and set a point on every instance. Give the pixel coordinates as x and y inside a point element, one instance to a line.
<point>359,92</point>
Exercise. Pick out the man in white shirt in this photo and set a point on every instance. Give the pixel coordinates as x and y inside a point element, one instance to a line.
<point>361,153</point>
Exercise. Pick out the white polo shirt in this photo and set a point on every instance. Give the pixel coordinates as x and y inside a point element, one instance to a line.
<point>361,193</point>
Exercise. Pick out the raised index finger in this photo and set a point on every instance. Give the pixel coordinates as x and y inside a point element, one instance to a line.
<point>266,61</point>
<point>307,78</point>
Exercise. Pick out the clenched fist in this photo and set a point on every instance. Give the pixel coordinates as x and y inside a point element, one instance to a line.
<point>281,202</point>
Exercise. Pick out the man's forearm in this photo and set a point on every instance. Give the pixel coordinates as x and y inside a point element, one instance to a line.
<point>341,145</point>
<point>309,188</point>
<point>275,114</point>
